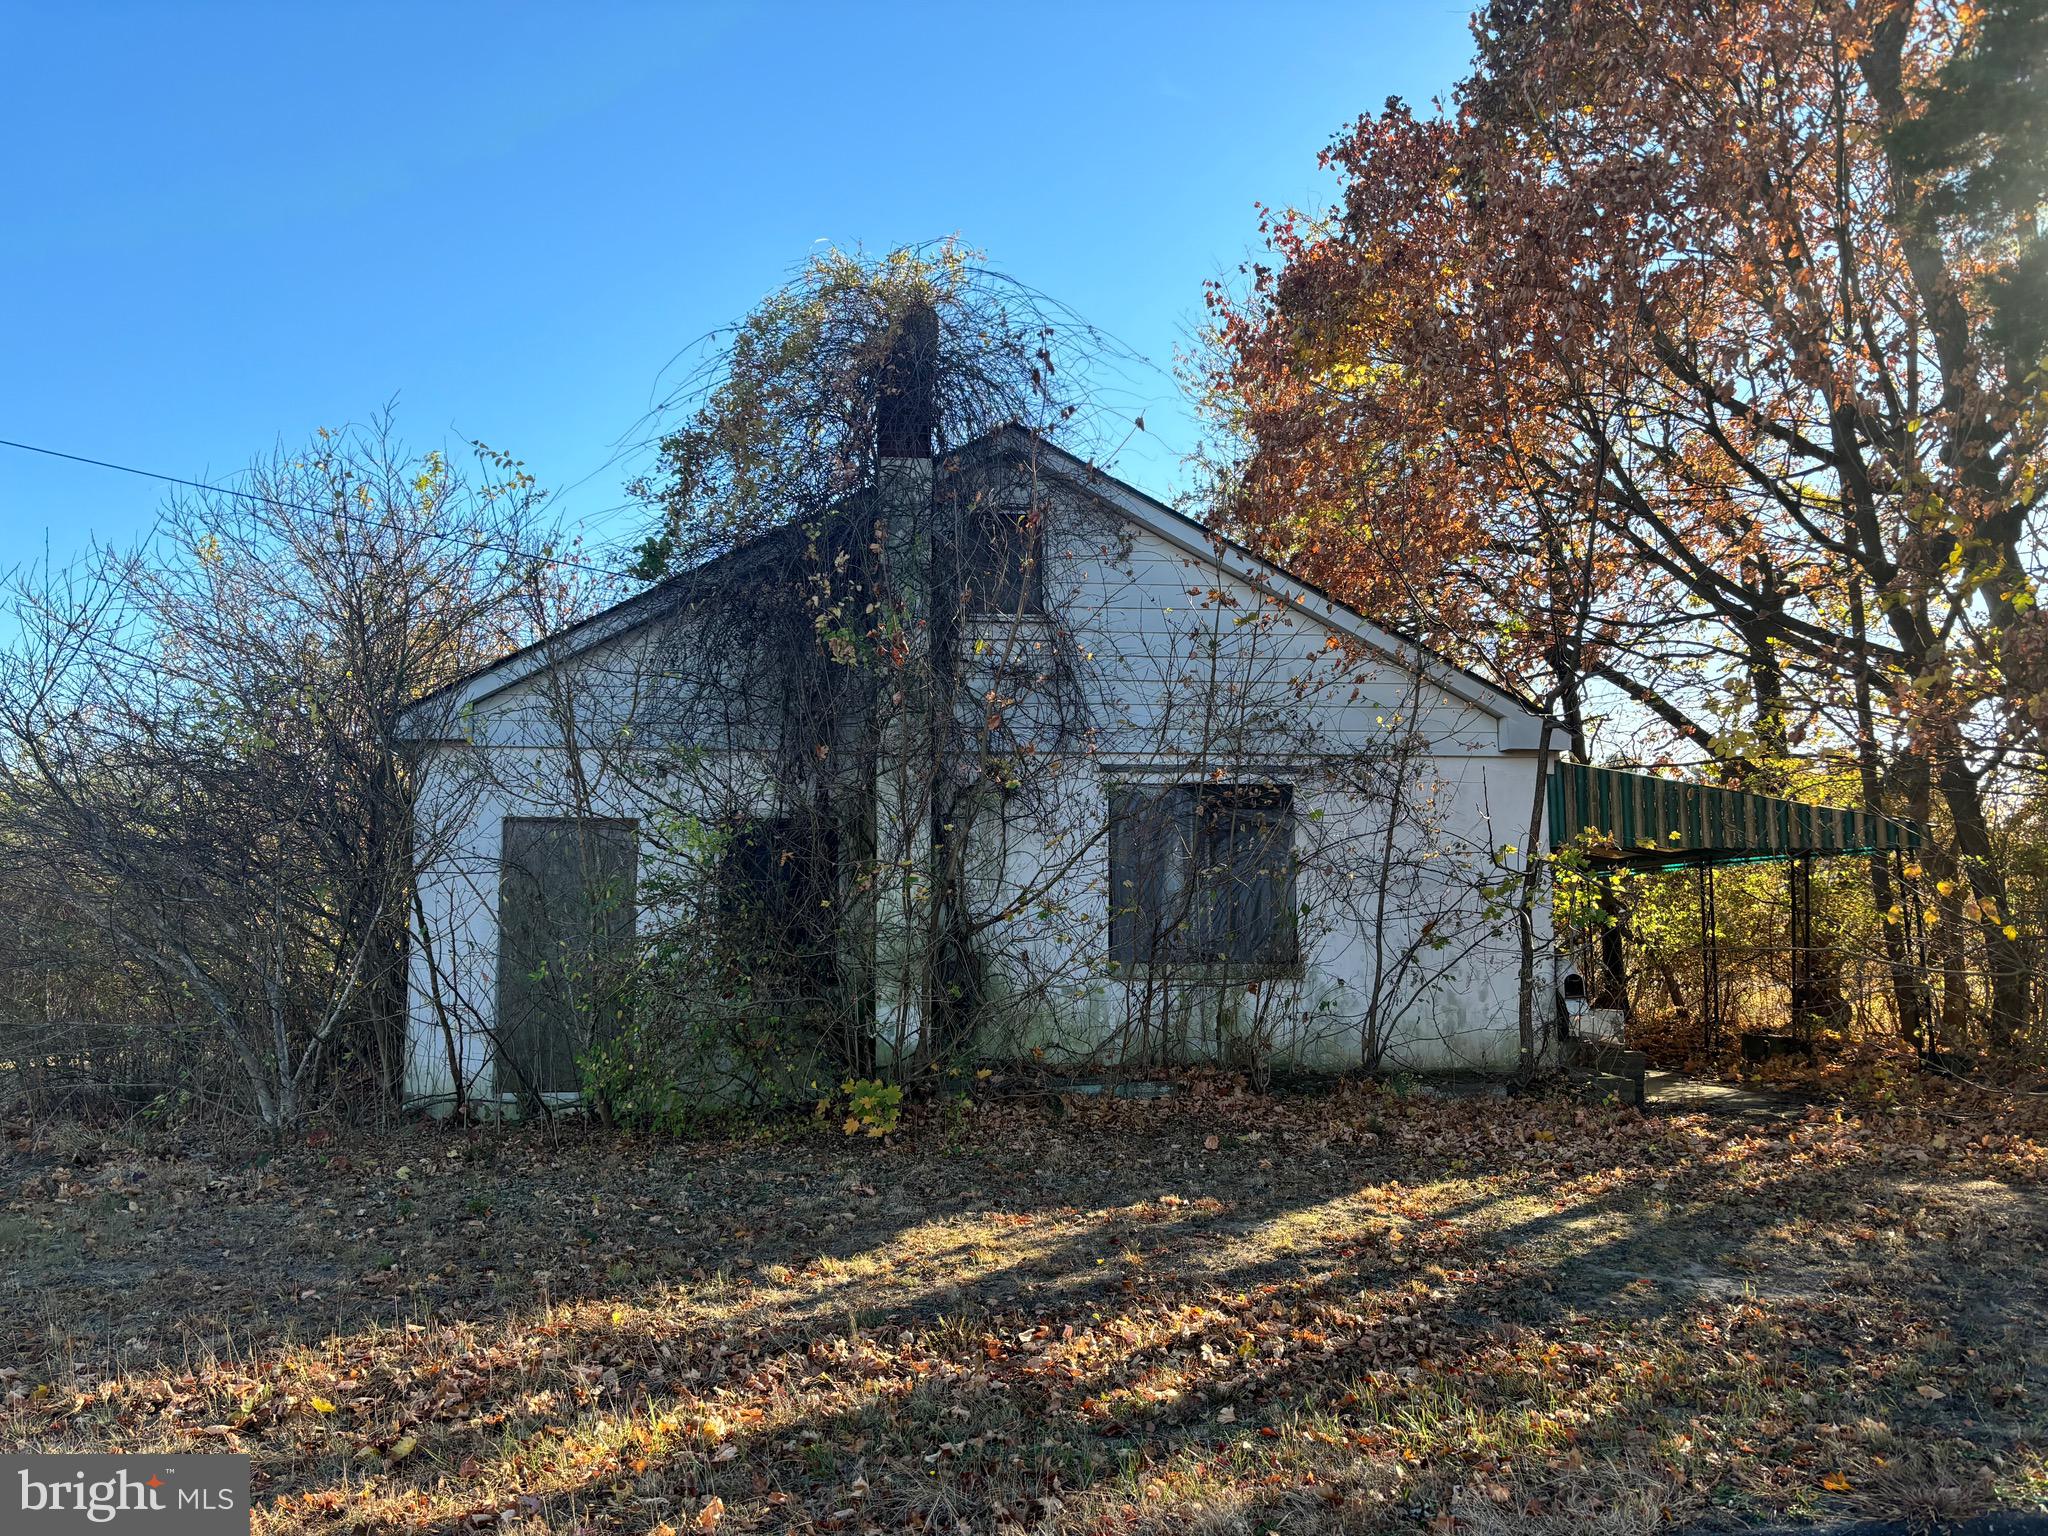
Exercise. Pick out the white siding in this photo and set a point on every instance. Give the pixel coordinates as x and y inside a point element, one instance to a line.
<point>1183,671</point>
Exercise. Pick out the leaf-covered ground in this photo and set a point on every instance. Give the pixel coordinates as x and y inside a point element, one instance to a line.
<point>1221,1312</point>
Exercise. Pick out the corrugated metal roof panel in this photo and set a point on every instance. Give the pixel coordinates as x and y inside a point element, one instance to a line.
<point>1643,820</point>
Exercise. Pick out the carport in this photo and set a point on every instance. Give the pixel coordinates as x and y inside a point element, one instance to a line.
<point>1617,819</point>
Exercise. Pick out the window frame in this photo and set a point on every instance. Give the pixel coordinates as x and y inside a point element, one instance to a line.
<point>1176,857</point>
<point>1029,575</point>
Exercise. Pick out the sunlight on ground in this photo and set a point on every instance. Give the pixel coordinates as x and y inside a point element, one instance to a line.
<point>1160,1318</point>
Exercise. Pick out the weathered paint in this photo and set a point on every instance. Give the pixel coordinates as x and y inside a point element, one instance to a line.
<point>1194,667</point>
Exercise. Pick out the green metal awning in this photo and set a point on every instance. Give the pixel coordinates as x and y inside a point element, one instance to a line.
<point>1645,822</point>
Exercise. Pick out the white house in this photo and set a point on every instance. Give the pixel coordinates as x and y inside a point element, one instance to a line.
<point>1005,760</point>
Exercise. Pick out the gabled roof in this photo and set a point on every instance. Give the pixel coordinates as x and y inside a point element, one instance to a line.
<point>1226,554</point>
<point>1520,722</point>
<point>572,640</point>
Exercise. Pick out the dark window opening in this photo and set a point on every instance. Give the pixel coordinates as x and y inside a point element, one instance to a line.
<point>1002,571</point>
<point>777,897</point>
<point>1202,874</point>
<point>565,939</point>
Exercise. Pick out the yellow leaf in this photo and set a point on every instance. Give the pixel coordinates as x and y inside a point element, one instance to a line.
<point>403,1447</point>
<point>321,1405</point>
<point>1834,1482</point>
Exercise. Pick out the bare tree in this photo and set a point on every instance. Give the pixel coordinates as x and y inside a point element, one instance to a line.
<point>198,753</point>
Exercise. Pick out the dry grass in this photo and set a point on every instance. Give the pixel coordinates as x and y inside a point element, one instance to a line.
<point>1222,1314</point>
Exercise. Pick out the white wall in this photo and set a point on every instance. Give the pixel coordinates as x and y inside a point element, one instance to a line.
<point>1186,673</point>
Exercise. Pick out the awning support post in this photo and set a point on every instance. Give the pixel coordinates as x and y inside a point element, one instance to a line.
<point>1710,965</point>
<point>1799,888</point>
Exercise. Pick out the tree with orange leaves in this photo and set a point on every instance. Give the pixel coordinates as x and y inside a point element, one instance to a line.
<point>1690,357</point>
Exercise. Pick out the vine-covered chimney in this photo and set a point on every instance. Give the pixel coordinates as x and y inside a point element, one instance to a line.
<point>906,406</point>
<point>906,421</point>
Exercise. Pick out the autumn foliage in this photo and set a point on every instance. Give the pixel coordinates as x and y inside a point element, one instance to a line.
<point>1687,369</point>
<point>1370,1312</point>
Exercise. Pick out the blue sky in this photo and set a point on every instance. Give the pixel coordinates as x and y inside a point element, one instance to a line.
<point>227,225</point>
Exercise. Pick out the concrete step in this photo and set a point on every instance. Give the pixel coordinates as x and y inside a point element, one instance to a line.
<point>1601,1087</point>
<point>1607,1068</point>
<point>1605,1056</point>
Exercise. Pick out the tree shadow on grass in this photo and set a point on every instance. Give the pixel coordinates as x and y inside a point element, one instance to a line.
<point>1363,1321</point>
<point>1177,1417</point>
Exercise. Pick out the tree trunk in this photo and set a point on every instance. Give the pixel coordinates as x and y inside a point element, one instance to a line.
<point>1907,996</point>
<point>1611,987</point>
<point>2003,956</point>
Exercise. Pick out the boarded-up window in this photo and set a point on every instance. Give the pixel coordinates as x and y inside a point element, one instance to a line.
<point>1202,874</point>
<point>565,934</point>
<point>1001,568</point>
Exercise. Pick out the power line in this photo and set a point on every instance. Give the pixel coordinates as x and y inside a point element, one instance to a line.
<point>343,513</point>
